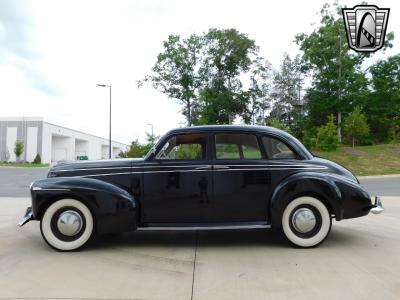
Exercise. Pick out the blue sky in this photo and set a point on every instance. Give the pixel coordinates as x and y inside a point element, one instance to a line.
<point>53,53</point>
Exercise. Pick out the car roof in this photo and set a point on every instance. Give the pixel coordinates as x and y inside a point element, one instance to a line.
<point>244,128</point>
<point>212,128</point>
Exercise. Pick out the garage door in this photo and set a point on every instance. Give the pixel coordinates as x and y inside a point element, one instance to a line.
<point>60,154</point>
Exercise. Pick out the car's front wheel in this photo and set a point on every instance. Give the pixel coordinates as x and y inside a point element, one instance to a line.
<point>306,222</point>
<point>67,224</point>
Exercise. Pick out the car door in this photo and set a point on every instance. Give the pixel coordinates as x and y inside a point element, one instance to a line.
<point>177,181</point>
<point>240,179</point>
<point>282,159</point>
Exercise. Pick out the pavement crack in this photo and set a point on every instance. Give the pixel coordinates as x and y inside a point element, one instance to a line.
<point>196,243</point>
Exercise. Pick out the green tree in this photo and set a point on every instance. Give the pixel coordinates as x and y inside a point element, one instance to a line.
<point>327,136</point>
<point>37,159</point>
<point>276,123</point>
<point>339,84</point>
<point>135,150</point>
<point>259,92</point>
<point>228,54</point>
<point>18,148</point>
<point>383,106</point>
<point>151,139</point>
<point>287,103</point>
<point>355,126</point>
<point>176,73</point>
<point>287,84</point>
<point>207,74</point>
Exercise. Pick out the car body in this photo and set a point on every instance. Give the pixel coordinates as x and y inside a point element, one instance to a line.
<point>201,177</point>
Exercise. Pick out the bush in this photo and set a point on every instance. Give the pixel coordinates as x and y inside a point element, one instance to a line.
<point>356,128</point>
<point>327,139</point>
<point>310,138</point>
<point>18,149</point>
<point>37,160</point>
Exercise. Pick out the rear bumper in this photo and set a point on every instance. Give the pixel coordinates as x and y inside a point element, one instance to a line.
<point>378,207</point>
<point>27,217</point>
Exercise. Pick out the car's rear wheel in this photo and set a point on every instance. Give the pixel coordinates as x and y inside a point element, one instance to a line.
<point>67,225</point>
<point>306,222</point>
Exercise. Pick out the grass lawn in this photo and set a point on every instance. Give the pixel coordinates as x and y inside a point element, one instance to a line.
<point>23,165</point>
<point>367,160</point>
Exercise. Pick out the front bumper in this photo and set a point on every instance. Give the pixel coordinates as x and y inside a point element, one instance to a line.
<point>378,207</point>
<point>27,217</point>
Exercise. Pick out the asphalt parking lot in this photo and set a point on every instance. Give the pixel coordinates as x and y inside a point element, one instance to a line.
<point>359,260</point>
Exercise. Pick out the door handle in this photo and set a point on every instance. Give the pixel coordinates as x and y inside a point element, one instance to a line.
<point>203,168</point>
<point>220,167</point>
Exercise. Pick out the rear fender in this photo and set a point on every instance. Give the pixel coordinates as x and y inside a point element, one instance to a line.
<point>317,185</point>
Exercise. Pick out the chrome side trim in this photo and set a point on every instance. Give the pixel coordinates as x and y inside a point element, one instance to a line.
<point>94,169</point>
<point>223,167</point>
<point>176,166</point>
<point>208,167</point>
<point>281,165</point>
<point>132,167</point>
<point>36,188</point>
<point>201,170</point>
<point>107,174</point>
<point>191,166</point>
<point>170,171</point>
<point>266,169</point>
<point>222,227</point>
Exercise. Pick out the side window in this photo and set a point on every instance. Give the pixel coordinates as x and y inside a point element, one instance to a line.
<point>237,146</point>
<point>277,149</point>
<point>184,147</point>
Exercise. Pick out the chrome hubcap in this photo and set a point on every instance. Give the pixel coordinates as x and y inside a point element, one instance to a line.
<point>69,223</point>
<point>303,220</point>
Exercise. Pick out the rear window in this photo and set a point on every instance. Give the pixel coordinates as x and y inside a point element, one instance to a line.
<point>276,149</point>
<point>237,146</point>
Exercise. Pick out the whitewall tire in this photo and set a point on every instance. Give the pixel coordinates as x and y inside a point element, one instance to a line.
<point>67,225</point>
<point>306,222</point>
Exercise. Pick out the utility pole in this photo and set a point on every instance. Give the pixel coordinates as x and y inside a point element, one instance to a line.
<point>339,115</point>
<point>109,133</point>
<point>152,133</point>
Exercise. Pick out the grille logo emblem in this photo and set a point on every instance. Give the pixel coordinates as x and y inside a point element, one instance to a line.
<point>365,27</point>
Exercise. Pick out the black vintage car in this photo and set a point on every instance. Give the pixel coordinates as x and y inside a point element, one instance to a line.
<point>206,177</point>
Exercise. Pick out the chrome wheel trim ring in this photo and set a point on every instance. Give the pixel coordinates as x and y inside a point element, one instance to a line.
<point>69,223</point>
<point>304,220</point>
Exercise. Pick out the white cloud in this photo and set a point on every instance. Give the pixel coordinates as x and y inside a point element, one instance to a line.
<point>57,51</point>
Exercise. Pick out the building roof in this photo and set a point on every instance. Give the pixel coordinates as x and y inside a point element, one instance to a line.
<point>41,119</point>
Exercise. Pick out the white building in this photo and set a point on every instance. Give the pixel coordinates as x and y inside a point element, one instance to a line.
<point>52,142</point>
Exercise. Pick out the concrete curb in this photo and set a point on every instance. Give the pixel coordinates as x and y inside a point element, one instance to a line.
<point>379,176</point>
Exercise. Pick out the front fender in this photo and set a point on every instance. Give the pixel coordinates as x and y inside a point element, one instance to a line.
<point>113,208</point>
<point>318,185</point>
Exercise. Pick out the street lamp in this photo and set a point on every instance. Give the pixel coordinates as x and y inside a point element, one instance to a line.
<point>152,132</point>
<point>109,146</point>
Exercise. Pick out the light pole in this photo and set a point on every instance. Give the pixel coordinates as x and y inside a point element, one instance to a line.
<point>152,132</point>
<point>109,142</point>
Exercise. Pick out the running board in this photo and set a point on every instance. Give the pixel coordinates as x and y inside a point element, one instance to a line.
<point>205,227</point>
